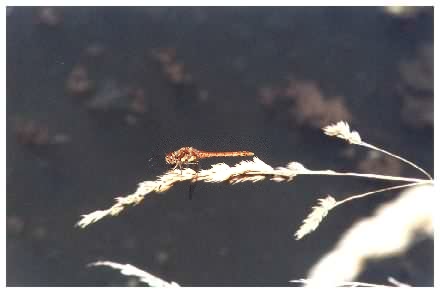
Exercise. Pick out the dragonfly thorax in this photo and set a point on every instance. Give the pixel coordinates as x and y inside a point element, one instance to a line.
<point>184,155</point>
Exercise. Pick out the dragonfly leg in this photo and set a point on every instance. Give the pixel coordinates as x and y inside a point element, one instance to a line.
<point>178,165</point>
<point>193,182</point>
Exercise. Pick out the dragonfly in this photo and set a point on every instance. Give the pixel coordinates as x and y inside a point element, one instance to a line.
<point>190,156</point>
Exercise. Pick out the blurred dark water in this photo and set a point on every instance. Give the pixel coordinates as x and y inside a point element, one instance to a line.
<point>227,235</point>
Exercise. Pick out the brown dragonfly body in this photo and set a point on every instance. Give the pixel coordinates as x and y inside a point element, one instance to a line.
<point>190,155</point>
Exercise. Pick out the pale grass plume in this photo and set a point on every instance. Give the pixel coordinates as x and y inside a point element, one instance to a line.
<point>316,216</point>
<point>397,283</point>
<point>132,271</point>
<point>342,130</point>
<point>310,282</point>
<point>252,171</point>
<point>324,206</point>
<point>390,231</point>
<point>257,170</point>
<point>392,281</point>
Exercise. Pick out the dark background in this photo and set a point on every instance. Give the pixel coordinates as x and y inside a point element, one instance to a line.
<point>70,151</point>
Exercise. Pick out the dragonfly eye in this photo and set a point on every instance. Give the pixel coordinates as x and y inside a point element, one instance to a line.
<point>170,158</point>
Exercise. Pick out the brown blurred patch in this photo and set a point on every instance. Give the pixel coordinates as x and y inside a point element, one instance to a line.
<point>311,108</point>
<point>417,88</point>
<point>78,82</point>
<point>138,103</point>
<point>306,104</point>
<point>32,133</point>
<point>173,69</point>
<point>378,163</point>
<point>29,132</point>
<point>48,16</point>
<point>15,225</point>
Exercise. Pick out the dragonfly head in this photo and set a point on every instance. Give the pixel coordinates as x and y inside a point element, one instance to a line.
<point>170,158</point>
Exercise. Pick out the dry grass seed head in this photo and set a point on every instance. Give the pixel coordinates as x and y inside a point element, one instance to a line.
<point>342,130</point>
<point>316,216</point>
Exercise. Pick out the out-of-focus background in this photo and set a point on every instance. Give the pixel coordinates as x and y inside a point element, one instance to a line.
<point>97,96</point>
